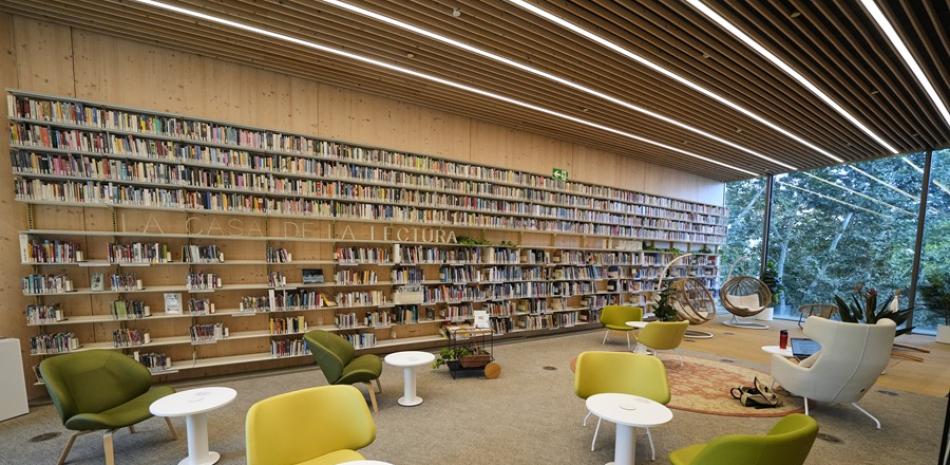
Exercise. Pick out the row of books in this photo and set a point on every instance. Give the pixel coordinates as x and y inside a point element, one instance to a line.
<point>208,333</point>
<point>282,300</point>
<point>288,325</point>
<point>430,190</point>
<point>276,279</point>
<point>139,252</point>
<point>361,340</point>
<point>54,343</point>
<point>201,254</point>
<point>201,306</point>
<point>135,196</point>
<point>37,314</point>
<point>46,284</point>
<point>203,281</point>
<point>154,361</point>
<point>125,282</point>
<point>127,337</point>
<point>49,251</point>
<point>288,347</point>
<point>278,255</point>
<point>130,309</point>
<point>407,275</point>
<point>356,277</point>
<point>185,129</point>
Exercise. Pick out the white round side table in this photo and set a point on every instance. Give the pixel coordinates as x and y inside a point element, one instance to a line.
<point>409,361</point>
<point>194,405</point>
<point>628,412</point>
<point>786,352</point>
<point>637,324</point>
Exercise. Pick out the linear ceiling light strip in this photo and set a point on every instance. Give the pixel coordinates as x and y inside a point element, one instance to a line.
<point>854,192</point>
<point>881,19</point>
<point>670,74</point>
<point>828,197</point>
<point>787,69</point>
<point>549,76</point>
<point>432,78</point>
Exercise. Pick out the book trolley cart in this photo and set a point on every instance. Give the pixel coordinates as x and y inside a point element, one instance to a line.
<point>482,359</point>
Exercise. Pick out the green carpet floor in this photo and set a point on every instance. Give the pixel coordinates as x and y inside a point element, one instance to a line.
<point>528,416</point>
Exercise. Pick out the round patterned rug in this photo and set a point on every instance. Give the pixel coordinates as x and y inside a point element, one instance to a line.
<point>702,386</point>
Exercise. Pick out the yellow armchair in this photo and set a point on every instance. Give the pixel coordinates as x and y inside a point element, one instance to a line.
<point>787,443</point>
<point>615,318</point>
<point>620,372</point>
<point>316,426</point>
<point>663,335</point>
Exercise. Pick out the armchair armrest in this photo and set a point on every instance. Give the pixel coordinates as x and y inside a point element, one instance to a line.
<point>791,376</point>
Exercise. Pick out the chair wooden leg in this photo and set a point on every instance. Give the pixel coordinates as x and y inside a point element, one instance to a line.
<point>131,429</point>
<point>171,428</point>
<point>379,387</point>
<point>372,397</point>
<point>69,446</point>
<point>606,333</point>
<point>107,448</point>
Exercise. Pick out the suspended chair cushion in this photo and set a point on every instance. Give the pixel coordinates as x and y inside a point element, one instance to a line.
<point>745,296</point>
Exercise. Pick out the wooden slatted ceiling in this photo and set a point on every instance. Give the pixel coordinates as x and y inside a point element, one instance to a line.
<point>834,44</point>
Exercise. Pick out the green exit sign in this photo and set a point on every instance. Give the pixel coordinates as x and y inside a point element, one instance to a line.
<point>559,174</point>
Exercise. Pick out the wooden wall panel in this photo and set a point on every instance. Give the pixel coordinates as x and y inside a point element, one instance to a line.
<point>58,60</point>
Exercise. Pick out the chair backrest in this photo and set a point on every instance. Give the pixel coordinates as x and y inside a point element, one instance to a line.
<point>620,314</point>
<point>302,425</point>
<point>822,310</point>
<point>331,352</point>
<point>787,443</point>
<point>852,357</point>
<point>621,372</point>
<point>663,335</point>
<point>93,381</point>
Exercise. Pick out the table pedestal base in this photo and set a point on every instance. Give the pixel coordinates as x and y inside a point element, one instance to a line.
<point>409,397</point>
<point>198,453</point>
<point>625,447</point>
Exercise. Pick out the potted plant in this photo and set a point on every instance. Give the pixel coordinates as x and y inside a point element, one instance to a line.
<point>663,310</point>
<point>936,294</point>
<point>774,282</point>
<point>450,355</point>
<point>863,308</point>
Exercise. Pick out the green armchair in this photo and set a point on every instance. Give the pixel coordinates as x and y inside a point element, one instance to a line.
<point>787,443</point>
<point>615,318</point>
<point>100,390</point>
<point>336,358</point>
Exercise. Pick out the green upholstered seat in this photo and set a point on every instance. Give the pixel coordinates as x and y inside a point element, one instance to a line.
<point>336,358</point>
<point>621,372</point>
<point>615,317</point>
<point>787,443</point>
<point>663,335</point>
<point>99,390</point>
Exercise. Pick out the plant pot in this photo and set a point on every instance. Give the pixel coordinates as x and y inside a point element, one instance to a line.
<point>943,334</point>
<point>475,360</point>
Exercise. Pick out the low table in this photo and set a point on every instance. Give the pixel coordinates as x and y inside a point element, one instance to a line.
<point>194,405</point>
<point>628,412</point>
<point>409,361</point>
<point>786,352</point>
<point>637,324</point>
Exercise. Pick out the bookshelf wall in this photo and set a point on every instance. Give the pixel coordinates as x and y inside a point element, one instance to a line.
<point>232,217</point>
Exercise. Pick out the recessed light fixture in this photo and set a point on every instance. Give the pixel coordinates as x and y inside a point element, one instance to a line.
<point>410,55</point>
<point>882,22</point>
<point>552,77</point>
<point>787,69</point>
<point>670,74</point>
<point>795,14</point>
<point>456,12</point>
<point>433,78</point>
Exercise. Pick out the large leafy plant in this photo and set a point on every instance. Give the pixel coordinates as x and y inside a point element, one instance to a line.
<point>862,307</point>
<point>936,294</point>
<point>774,282</point>
<point>663,310</point>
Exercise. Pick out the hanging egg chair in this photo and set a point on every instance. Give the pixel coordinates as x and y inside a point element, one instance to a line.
<point>744,296</point>
<point>691,300</point>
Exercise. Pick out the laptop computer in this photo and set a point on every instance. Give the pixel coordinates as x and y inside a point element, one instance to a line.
<point>802,347</point>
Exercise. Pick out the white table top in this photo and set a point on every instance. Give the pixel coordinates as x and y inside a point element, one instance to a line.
<point>192,401</point>
<point>637,324</point>
<point>786,352</point>
<point>630,410</point>
<point>409,359</point>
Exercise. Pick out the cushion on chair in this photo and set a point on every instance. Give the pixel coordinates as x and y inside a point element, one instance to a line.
<point>686,455</point>
<point>362,369</point>
<point>619,327</point>
<point>127,414</point>
<point>749,302</point>
<point>334,458</point>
